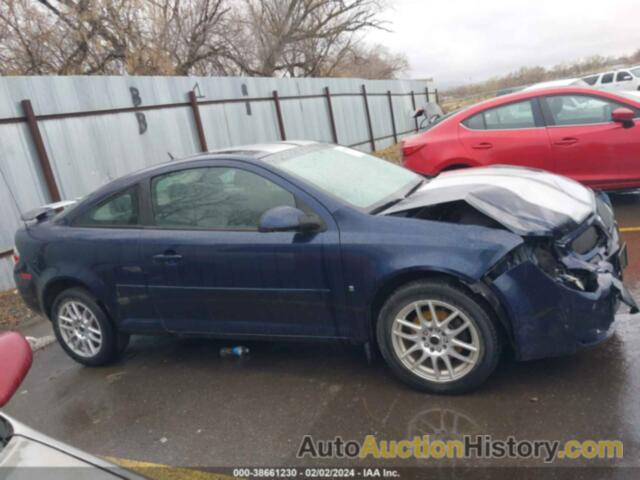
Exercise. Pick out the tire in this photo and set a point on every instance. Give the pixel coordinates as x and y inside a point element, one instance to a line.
<point>410,348</point>
<point>84,331</point>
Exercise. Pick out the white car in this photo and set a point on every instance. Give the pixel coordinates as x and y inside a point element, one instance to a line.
<point>624,79</point>
<point>565,82</point>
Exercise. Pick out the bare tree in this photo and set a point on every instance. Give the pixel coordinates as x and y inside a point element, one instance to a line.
<point>296,37</point>
<point>362,61</point>
<point>183,37</point>
<point>170,37</point>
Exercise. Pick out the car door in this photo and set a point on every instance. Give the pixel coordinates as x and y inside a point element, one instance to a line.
<point>511,134</point>
<point>211,271</point>
<point>586,145</point>
<point>624,81</point>
<point>606,81</point>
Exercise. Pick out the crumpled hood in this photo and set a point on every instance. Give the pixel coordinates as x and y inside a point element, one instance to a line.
<point>524,200</point>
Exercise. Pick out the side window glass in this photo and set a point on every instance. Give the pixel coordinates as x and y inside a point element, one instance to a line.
<point>217,198</point>
<point>623,77</point>
<point>580,109</point>
<point>514,115</point>
<point>119,210</point>
<point>591,80</point>
<point>607,78</point>
<point>476,122</point>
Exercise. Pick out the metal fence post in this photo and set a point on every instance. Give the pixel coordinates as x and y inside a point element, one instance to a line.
<point>276,100</point>
<point>437,97</point>
<point>193,99</point>
<point>332,120</point>
<point>41,151</point>
<point>413,104</point>
<point>393,118</point>
<point>372,141</point>
<point>426,93</point>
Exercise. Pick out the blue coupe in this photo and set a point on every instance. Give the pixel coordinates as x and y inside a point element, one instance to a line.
<point>301,240</point>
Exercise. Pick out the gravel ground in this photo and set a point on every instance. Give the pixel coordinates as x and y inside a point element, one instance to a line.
<point>13,311</point>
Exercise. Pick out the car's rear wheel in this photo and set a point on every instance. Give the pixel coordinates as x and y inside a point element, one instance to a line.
<point>84,331</point>
<point>437,338</point>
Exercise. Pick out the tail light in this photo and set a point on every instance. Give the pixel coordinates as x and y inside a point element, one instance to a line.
<point>15,256</point>
<point>411,149</point>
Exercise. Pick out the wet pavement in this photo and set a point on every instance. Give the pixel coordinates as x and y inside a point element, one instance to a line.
<point>177,402</point>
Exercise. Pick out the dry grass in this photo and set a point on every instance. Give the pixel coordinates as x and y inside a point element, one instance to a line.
<point>392,153</point>
<point>13,310</point>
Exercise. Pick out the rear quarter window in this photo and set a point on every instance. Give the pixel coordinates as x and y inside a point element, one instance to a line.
<point>121,209</point>
<point>591,80</point>
<point>476,122</point>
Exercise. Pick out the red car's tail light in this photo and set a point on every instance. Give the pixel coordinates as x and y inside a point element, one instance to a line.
<point>411,149</point>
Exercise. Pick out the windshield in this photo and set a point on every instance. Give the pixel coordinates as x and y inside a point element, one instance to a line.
<point>636,72</point>
<point>359,179</point>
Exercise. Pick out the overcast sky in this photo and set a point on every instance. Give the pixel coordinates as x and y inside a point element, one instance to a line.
<point>459,41</point>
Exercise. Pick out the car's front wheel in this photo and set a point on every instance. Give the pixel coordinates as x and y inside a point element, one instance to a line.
<point>437,338</point>
<point>83,329</point>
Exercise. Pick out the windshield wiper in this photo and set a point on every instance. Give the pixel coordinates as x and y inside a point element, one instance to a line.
<point>415,187</point>
<point>391,203</point>
<point>386,205</point>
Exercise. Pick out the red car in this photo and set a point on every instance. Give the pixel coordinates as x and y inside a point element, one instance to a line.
<point>589,135</point>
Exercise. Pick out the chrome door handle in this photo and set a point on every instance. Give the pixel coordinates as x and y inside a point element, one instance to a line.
<point>167,257</point>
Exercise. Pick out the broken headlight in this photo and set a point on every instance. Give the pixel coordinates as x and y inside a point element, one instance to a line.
<point>544,256</point>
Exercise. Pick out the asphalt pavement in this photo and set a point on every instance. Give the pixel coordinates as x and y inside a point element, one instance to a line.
<point>176,402</point>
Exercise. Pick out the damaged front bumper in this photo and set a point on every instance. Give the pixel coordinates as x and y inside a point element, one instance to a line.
<point>558,311</point>
<point>549,318</point>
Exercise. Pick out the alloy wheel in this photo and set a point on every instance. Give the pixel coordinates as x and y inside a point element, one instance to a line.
<point>436,341</point>
<point>79,328</point>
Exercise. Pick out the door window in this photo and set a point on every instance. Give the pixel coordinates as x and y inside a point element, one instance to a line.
<point>506,117</point>
<point>579,109</point>
<point>623,77</point>
<point>217,198</point>
<point>120,209</point>
<point>607,78</point>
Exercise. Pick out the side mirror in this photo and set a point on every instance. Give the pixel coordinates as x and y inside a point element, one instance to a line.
<point>418,113</point>
<point>15,358</point>
<point>288,219</point>
<point>624,116</point>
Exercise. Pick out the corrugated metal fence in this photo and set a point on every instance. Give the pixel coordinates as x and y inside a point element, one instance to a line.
<point>62,137</point>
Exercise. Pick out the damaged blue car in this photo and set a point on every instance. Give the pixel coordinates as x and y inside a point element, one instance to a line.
<point>301,240</point>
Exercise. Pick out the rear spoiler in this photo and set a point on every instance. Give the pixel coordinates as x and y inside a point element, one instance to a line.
<point>41,213</point>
